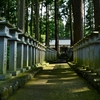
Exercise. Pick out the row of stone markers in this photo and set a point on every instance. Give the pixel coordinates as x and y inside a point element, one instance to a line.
<point>24,52</point>
<point>86,52</point>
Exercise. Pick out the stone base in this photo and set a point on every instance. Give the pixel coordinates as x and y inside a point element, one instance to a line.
<point>6,76</point>
<point>88,68</point>
<point>33,66</point>
<point>98,73</point>
<point>23,70</point>
<point>45,64</point>
<point>14,73</point>
<point>38,65</point>
<point>28,68</point>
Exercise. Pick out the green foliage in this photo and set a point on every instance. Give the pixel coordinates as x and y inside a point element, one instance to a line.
<point>62,15</point>
<point>51,29</point>
<point>89,16</point>
<point>67,28</point>
<point>62,30</point>
<point>8,10</point>
<point>42,40</point>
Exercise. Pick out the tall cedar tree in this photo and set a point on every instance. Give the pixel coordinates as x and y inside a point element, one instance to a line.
<point>56,28</point>
<point>78,19</point>
<point>97,13</point>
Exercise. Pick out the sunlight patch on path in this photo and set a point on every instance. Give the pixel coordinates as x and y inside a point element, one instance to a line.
<point>57,82</point>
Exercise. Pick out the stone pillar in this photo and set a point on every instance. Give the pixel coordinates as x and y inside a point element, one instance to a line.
<point>4,35</point>
<point>75,53</point>
<point>43,53</point>
<point>3,55</point>
<point>30,52</point>
<point>55,54</point>
<point>20,53</point>
<point>46,54</point>
<point>86,60</point>
<point>33,53</point>
<point>37,52</point>
<point>48,57</point>
<point>92,50</point>
<point>13,52</point>
<point>26,53</point>
<point>97,56</point>
<point>91,55</point>
<point>80,52</point>
<point>40,56</point>
<point>52,55</point>
<point>83,53</point>
<point>25,61</point>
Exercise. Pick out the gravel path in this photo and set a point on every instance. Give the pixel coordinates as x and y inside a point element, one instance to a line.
<point>57,82</point>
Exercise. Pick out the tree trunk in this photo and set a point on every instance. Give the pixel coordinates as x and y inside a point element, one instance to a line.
<point>78,19</point>
<point>40,25</point>
<point>31,21</point>
<point>21,14</point>
<point>37,36</point>
<point>26,18</point>
<point>97,13</point>
<point>8,10</point>
<point>56,28</point>
<point>71,24</point>
<point>34,21</point>
<point>47,25</point>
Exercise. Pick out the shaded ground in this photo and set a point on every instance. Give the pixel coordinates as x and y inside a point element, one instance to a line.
<point>62,59</point>
<point>57,82</point>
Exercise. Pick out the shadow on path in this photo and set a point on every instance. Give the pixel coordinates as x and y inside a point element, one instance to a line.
<point>57,82</point>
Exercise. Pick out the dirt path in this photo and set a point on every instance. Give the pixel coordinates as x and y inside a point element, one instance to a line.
<point>57,82</point>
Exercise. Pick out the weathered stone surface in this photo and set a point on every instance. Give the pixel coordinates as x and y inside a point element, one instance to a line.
<point>4,94</point>
<point>92,77</point>
<point>57,82</point>
<point>10,86</point>
<point>10,90</point>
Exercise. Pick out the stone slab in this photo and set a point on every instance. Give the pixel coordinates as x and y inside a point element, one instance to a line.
<point>14,73</point>
<point>6,76</point>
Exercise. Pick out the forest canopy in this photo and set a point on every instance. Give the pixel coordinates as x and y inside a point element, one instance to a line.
<point>46,17</point>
